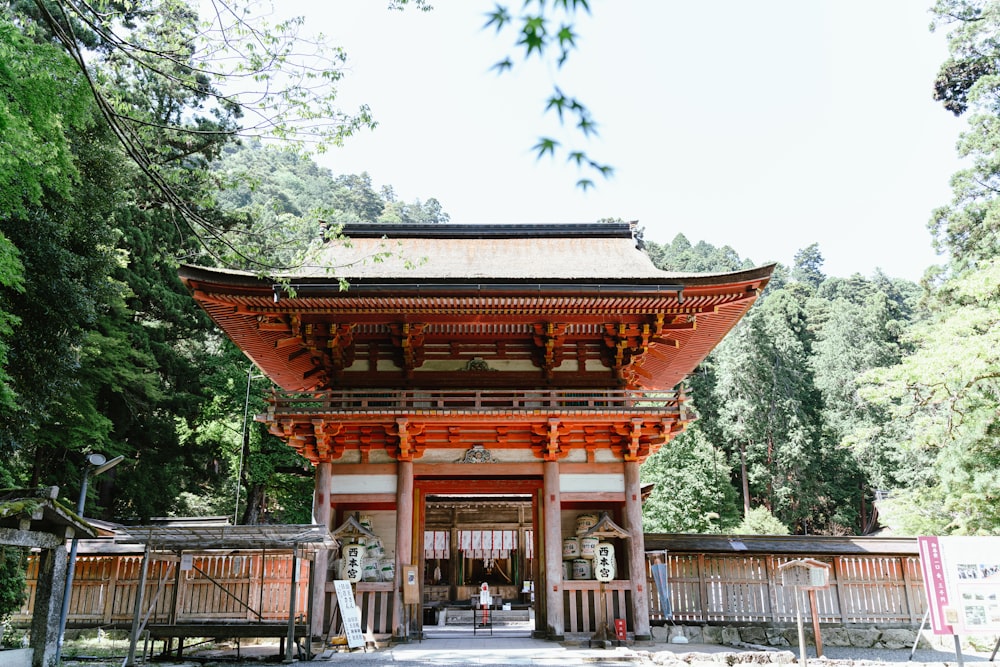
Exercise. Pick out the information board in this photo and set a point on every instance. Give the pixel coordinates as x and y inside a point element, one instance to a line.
<point>349,613</point>
<point>962,581</point>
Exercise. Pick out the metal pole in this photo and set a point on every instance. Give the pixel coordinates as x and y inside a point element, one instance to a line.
<point>243,446</point>
<point>137,612</point>
<point>958,651</point>
<point>920,631</point>
<point>292,601</point>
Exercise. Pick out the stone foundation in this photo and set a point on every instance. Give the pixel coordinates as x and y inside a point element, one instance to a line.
<point>785,636</point>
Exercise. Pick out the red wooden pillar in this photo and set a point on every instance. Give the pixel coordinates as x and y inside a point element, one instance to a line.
<point>404,539</point>
<point>636,550</point>
<point>321,516</point>
<point>551,506</point>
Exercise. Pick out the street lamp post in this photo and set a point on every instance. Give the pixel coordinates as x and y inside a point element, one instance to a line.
<point>100,464</point>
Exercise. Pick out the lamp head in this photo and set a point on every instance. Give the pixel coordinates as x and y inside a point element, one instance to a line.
<point>96,459</point>
<point>101,462</point>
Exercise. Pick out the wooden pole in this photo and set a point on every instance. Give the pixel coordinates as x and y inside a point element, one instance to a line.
<point>814,612</point>
<point>636,552</point>
<point>551,507</point>
<point>404,540</point>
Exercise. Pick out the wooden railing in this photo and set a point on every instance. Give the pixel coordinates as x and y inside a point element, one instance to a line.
<point>583,602</point>
<point>704,588</point>
<point>730,588</point>
<point>252,586</point>
<point>586,400</point>
<point>375,601</point>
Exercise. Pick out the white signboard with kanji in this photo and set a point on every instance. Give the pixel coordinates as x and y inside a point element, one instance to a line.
<point>350,613</point>
<point>962,581</point>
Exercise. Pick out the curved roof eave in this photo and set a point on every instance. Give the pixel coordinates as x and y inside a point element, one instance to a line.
<point>190,274</point>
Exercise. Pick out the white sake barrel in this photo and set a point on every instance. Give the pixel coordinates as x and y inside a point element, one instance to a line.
<point>567,570</point>
<point>585,522</point>
<point>581,569</point>
<point>571,548</point>
<point>588,546</point>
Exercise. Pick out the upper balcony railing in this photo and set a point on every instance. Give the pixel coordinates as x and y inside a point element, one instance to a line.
<point>668,403</point>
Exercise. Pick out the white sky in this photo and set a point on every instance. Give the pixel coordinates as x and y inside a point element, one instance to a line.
<point>764,125</point>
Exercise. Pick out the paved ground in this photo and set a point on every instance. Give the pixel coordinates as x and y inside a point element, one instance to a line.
<point>447,646</point>
<point>513,647</point>
<point>487,651</point>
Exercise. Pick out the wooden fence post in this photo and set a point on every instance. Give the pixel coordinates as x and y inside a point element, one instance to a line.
<point>911,608</point>
<point>838,582</point>
<point>772,589</point>
<point>703,587</point>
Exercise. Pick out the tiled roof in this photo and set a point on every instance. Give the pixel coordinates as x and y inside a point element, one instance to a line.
<point>512,252</point>
<point>444,276</point>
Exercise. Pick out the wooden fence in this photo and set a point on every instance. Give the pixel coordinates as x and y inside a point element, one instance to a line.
<point>248,586</point>
<point>584,608</point>
<point>746,588</point>
<point>720,588</point>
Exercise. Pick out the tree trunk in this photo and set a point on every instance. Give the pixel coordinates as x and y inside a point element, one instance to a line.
<point>746,484</point>
<point>255,505</point>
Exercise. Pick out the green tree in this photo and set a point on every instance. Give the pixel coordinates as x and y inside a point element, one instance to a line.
<point>39,104</point>
<point>692,491</point>
<point>856,338</point>
<point>680,255</point>
<point>945,397</point>
<point>807,268</point>
<point>64,242</point>
<point>969,228</point>
<point>771,418</point>
<point>11,280</point>
<point>760,521</point>
<point>12,583</point>
<point>174,89</point>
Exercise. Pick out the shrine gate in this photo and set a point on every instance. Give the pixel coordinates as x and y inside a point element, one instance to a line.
<point>469,392</point>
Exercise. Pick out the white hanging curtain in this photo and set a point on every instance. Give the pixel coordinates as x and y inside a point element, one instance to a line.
<point>487,543</point>
<point>437,543</point>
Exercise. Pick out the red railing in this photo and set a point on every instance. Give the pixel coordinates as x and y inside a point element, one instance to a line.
<point>479,400</point>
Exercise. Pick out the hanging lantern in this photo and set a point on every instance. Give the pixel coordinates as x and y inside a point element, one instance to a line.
<point>604,562</point>
<point>351,568</point>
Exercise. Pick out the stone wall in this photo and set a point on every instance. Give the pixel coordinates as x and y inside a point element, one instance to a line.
<point>787,636</point>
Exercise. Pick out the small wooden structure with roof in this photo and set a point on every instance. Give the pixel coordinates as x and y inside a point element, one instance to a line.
<point>170,542</point>
<point>33,518</point>
<point>475,388</point>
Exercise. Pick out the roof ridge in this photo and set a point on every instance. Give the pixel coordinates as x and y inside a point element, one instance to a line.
<point>447,230</point>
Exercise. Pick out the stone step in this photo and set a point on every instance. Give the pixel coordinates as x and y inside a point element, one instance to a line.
<point>498,617</point>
